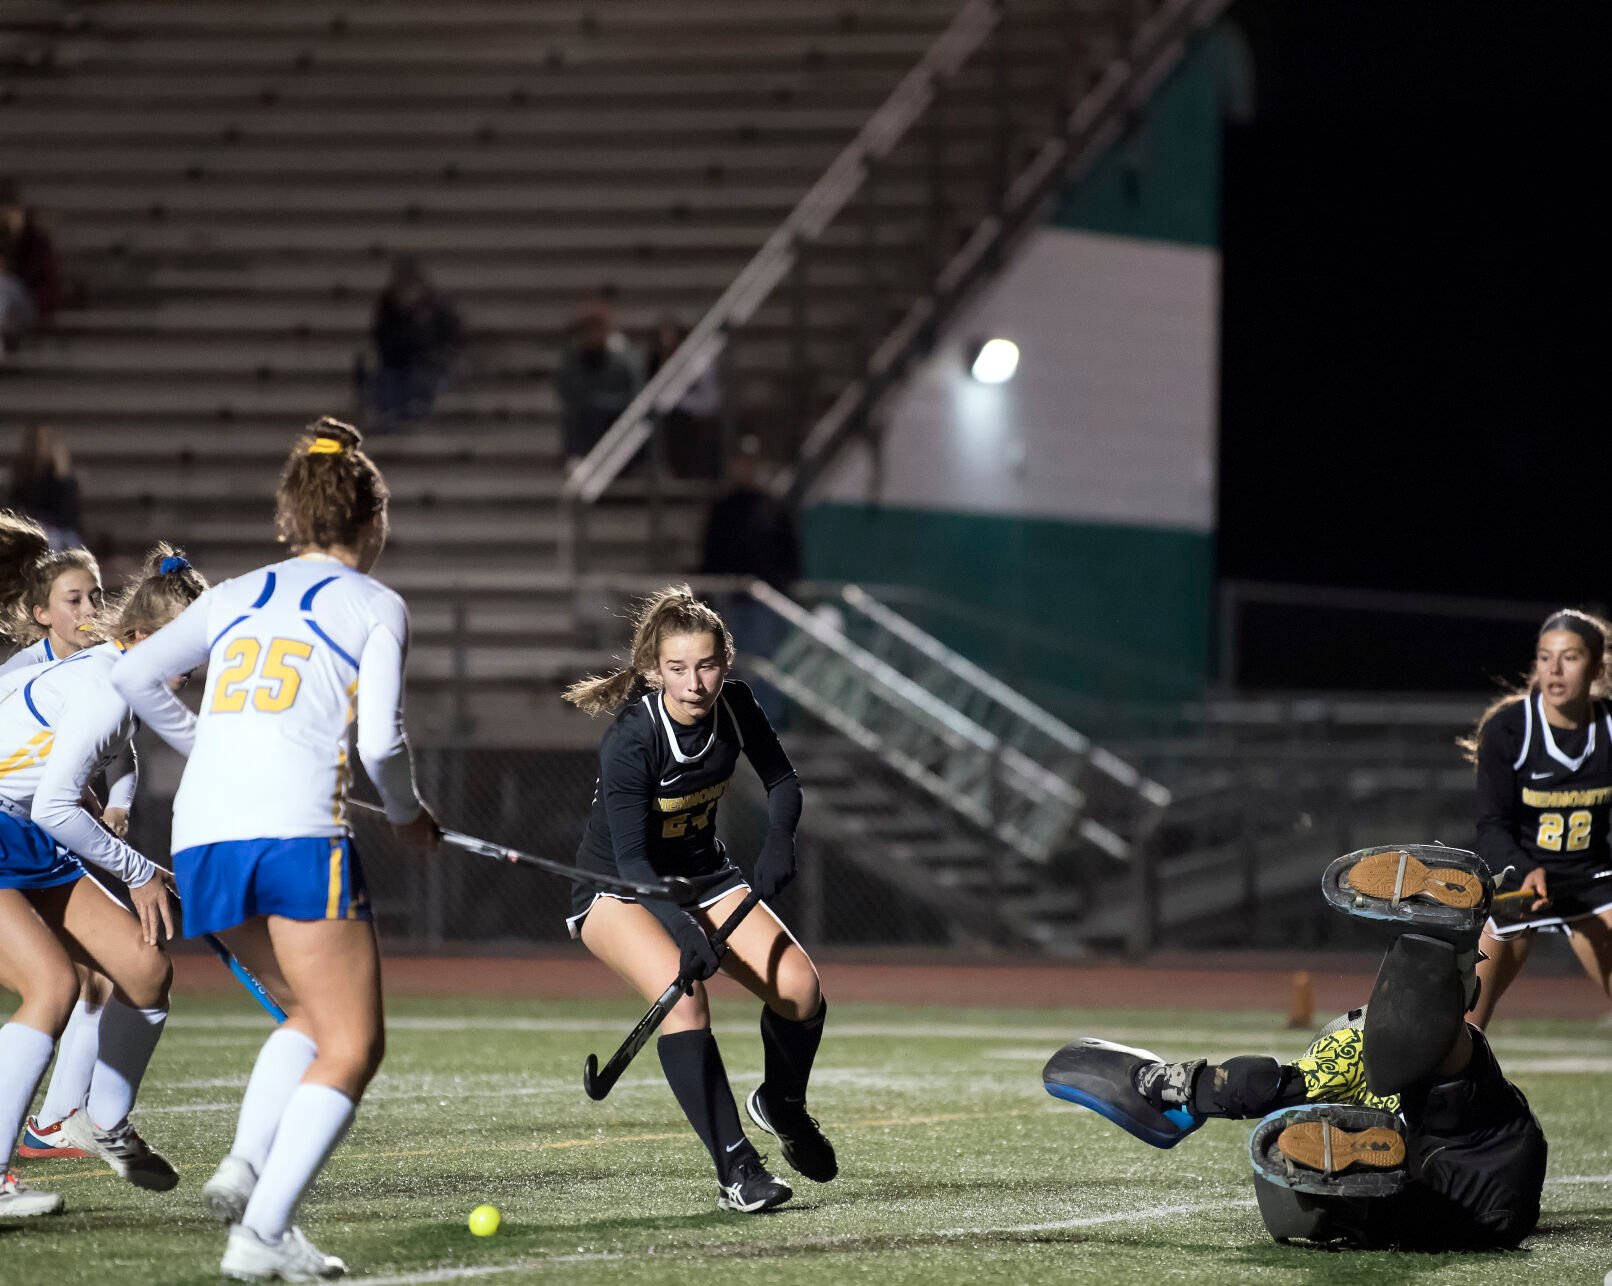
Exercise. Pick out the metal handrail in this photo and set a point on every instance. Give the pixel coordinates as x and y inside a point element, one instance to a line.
<point>994,689</point>
<point>804,224</point>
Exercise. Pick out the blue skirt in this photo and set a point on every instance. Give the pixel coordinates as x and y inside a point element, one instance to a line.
<point>31,859</point>
<point>308,878</point>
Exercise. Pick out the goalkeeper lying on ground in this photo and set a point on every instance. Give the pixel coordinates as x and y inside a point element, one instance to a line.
<point>1396,1126</point>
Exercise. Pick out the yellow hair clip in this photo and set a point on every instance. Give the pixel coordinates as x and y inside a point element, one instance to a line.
<point>325,446</point>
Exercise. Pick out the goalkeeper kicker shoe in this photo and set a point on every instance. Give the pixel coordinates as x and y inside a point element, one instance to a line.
<point>752,1188</point>
<point>1330,1149</point>
<point>46,1142</point>
<point>19,1201</point>
<point>124,1150</point>
<point>798,1134</point>
<point>1426,888</point>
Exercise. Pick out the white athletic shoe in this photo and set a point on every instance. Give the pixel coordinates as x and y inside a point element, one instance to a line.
<point>230,1188</point>
<point>124,1150</point>
<point>18,1200</point>
<point>293,1258</point>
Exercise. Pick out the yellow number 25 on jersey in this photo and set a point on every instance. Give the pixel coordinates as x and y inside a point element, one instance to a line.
<point>273,686</point>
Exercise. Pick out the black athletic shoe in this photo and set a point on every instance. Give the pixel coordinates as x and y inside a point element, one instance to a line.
<point>753,1188</point>
<point>798,1134</point>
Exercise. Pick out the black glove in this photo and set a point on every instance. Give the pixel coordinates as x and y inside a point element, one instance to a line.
<point>699,957</point>
<point>776,865</point>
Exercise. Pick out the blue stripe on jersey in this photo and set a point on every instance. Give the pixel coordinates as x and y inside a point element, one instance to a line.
<point>334,646</point>
<point>266,594</point>
<point>307,599</point>
<point>49,654</point>
<point>28,696</point>
<point>226,630</point>
<point>28,688</point>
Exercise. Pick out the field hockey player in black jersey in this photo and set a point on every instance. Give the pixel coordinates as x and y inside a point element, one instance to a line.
<point>1544,759</point>
<point>680,726</point>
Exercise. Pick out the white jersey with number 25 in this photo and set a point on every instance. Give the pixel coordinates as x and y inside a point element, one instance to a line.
<point>295,651</point>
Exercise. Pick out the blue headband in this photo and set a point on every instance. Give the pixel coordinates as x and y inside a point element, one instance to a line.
<point>173,563</point>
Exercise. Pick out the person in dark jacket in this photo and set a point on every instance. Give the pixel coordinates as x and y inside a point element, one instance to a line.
<point>417,336</point>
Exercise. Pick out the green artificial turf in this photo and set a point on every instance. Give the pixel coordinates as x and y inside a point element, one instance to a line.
<point>956,1167</point>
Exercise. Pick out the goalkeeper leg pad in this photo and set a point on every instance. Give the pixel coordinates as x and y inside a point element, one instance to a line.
<point>1102,1076</point>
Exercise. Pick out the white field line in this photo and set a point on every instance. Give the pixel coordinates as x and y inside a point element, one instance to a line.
<point>568,1090</point>
<point>1133,1215</point>
<point>194,1025</point>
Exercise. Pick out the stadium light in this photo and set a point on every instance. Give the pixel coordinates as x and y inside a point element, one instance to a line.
<point>994,361</point>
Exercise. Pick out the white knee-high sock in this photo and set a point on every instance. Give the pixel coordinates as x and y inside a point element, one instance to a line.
<point>315,1120</point>
<point>76,1053</point>
<point>128,1039</point>
<point>24,1055</point>
<point>285,1056</point>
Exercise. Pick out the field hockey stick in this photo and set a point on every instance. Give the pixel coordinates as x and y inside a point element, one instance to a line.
<point>598,1081</point>
<point>669,888</point>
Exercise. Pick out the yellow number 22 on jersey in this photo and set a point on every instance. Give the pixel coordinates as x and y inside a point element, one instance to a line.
<point>277,680</point>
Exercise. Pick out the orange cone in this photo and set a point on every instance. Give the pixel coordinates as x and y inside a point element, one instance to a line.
<point>1301,1013</point>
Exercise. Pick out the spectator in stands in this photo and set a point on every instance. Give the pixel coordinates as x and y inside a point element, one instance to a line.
<point>690,431</point>
<point>43,486</point>
<point>17,313</point>
<point>418,338</point>
<point>27,247</point>
<point>600,373</point>
<point>751,532</point>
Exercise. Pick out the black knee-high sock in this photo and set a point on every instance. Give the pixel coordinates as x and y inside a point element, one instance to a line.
<point>693,1066</point>
<point>790,1048</point>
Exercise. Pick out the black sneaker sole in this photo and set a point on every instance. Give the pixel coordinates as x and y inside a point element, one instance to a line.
<point>756,1113</point>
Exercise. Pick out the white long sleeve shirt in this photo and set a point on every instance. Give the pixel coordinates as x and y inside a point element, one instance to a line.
<point>60,724</point>
<point>123,773</point>
<point>295,651</point>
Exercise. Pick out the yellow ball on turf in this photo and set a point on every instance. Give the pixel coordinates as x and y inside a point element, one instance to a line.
<point>484,1220</point>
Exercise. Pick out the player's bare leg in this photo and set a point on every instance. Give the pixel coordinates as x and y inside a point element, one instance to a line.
<point>35,966</point>
<point>332,968</point>
<point>276,1073</point>
<point>102,935</point>
<point>764,958</point>
<point>1592,944</point>
<point>69,1086</point>
<point>638,948</point>
<point>1502,962</point>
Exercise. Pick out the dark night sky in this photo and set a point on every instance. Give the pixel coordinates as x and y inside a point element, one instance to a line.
<point>1416,276</point>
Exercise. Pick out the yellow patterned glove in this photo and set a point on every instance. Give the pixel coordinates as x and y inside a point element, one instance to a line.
<point>1334,1070</point>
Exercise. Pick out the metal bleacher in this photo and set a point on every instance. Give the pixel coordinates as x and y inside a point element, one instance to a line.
<point>229,183</point>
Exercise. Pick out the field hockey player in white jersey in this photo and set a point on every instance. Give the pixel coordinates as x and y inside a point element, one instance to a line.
<point>262,852</point>
<point>60,724</point>
<point>48,600</point>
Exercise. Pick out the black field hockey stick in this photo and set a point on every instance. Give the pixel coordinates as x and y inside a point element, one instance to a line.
<point>669,888</point>
<point>598,1081</point>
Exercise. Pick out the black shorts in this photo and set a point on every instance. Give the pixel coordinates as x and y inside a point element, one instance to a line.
<point>1576,893</point>
<point>714,886</point>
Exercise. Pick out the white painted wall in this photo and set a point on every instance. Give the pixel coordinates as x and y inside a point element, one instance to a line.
<point>1111,417</point>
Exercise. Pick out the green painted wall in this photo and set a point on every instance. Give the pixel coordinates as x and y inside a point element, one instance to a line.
<point>1065,611</point>
<point>1162,182</point>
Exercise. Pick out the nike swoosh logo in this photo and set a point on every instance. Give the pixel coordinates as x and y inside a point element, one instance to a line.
<point>1536,776</point>
<point>677,776</point>
<point>731,1146</point>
